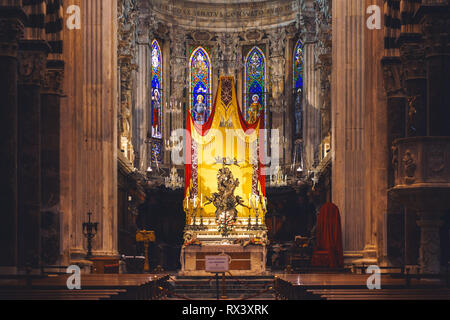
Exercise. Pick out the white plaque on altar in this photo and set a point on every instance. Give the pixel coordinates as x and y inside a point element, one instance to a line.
<point>217,263</point>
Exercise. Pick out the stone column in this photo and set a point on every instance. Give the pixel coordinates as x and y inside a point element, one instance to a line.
<point>348,109</point>
<point>311,108</point>
<point>32,63</point>
<point>11,29</point>
<point>50,123</point>
<point>50,162</point>
<point>276,71</point>
<point>412,55</point>
<point>435,21</point>
<point>396,115</point>
<point>89,130</point>
<point>324,57</point>
<point>143,96</point>
<point>178,73</point>
<point>430,245</point>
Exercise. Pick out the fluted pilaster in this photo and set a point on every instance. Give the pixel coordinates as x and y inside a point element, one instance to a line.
<point>11,29</point>
<point>89,129</point>
<point>348,90</point>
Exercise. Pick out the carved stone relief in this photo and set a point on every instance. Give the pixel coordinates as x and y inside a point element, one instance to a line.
<point>228,55</point>
<point>32,67</point>
<point>127,14</point>
<point>277,63</point>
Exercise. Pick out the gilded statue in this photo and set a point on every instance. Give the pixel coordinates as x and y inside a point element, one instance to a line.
<point>224,200</point>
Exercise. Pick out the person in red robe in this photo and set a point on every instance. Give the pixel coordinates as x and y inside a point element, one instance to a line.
<point>328,251</point>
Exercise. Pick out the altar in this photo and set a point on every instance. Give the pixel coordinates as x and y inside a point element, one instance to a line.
<point>225,198</point>
<point>244,261</point>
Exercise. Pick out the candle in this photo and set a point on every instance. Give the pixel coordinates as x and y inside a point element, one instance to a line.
<point>249,200</point>
<point>201,200</point>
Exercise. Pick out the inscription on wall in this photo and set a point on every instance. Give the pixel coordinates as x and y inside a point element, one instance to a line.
<point>236,12</point>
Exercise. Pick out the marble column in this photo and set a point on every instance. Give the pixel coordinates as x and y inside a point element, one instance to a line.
<point>32,64</point>
<point>89,130</point>
<point>11,29</point>
<point>435,22</point>
<point>276,75</point>
<point>430,245</point>
<point>311,108</point>
<point>396,115</point>
<point>141,117</point>
<point>50,162</point>
<point>178,74</point>
<point>50,124</point>
<point>412,55</point>
<point>376,146</point>
<point>348,109</point>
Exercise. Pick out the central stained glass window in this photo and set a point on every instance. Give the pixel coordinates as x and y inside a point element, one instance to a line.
<point>157,92</point>
<point>255,85</point>
<point>298,87</point>
<point>200,85</point>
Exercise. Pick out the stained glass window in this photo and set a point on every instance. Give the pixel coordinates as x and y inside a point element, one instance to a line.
<point>200,85</point>
<point>255,84</point>
<point>157,91</point>
<point>298,87</point>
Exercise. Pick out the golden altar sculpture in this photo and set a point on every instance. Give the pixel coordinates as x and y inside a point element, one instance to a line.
<point>225,203</point>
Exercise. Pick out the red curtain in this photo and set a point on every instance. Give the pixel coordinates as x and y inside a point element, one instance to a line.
<point>328,251</point>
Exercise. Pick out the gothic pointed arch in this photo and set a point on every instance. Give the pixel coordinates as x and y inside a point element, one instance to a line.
<point>297,98</point>
<point>157,91</point>
<point>200,77</point>
<point>255,80</point>
<point>297,86</point>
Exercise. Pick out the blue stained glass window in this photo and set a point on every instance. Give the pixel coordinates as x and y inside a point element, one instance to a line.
<point>298,88</point>
<point>200,85</point>
<point>255,84</point>
<point>157,91</point>
<point>298,65</point>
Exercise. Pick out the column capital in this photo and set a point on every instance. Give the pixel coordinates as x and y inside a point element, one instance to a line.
<point>54,75</point>
<point>12,27</point>
<point>32,61</point>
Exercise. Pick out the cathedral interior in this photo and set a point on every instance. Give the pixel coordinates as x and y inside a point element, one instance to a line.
<point>349,101</point>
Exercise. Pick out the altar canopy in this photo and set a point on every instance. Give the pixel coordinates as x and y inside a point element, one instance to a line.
<point>225,139</point>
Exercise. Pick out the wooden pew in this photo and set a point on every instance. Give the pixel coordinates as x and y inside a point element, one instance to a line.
<point>353,286</point>
<point>383,294</point>
<point>36,294</point>
<point>122,286</point>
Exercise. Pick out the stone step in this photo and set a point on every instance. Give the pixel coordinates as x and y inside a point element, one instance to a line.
<point>236,288</point>
<point>267,278</point>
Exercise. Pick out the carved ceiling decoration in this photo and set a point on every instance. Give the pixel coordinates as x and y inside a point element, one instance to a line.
<point>202,35</point>
<point>223,15</point>
<point>253,35</point>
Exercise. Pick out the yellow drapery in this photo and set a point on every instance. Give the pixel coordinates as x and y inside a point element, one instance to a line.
<point>227,141</point>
